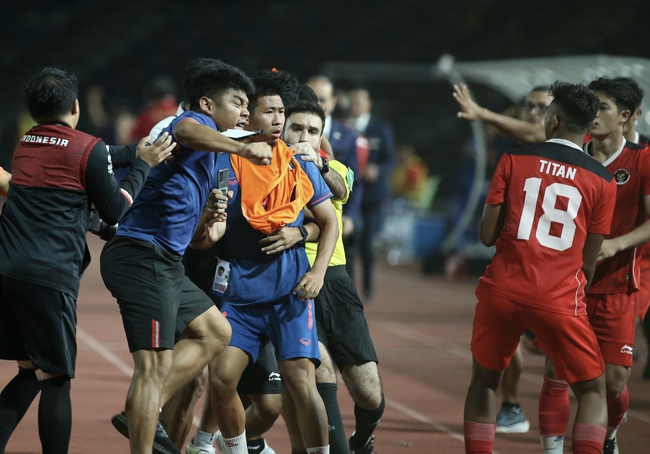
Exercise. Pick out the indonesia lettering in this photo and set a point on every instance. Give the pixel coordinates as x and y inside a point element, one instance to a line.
<point>45,139</point>
<point>558,170</point>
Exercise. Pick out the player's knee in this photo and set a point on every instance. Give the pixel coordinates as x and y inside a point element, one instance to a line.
<point>615,383</point>
<point>270,407</point>
<point>369,399</point>
<point>325,374</point>
<point>298,376</point>
<point>152,366</point>
<point>217,331</point>
<point>223,383</point>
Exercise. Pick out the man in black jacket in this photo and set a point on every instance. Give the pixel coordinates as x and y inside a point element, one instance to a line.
<point>58,173</point>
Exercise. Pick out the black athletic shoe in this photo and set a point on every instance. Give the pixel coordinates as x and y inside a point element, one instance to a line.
<point>161,441</point>
<point>366,449</point>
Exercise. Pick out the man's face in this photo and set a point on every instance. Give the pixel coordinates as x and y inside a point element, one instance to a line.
<point>229,110</point>
<point>609,119</point>
<point>535,107</point>
<point>268,116</point>
<point>304,127</point>
<point>325,93</point>
<point>359,102</point>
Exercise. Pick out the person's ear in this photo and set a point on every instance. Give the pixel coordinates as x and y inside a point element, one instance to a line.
<point>205,104</point>
<point>555,123</point>
<point>75,107</point>
<point>625,115</point>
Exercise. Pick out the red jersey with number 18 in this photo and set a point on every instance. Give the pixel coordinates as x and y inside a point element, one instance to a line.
<point>553,195</point>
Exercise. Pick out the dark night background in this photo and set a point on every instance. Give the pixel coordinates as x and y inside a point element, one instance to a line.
<point>121,44</point>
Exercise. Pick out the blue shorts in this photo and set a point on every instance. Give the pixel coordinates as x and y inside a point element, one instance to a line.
<point>289,323</point>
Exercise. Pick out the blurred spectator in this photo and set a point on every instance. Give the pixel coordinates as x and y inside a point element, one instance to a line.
<point>341,113</point>
<point>160,102</point>
<point>113,124</point>
<point>345,143</point>
<point>410,179</point>
<point>376,176</point>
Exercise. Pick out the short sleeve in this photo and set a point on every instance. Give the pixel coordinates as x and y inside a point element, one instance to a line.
<point>497,190</point>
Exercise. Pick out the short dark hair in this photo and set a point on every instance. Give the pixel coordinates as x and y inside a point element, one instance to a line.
<point>272,82</point>
<point>306,107</point>
<point>633,84</point>
<point>221,268</point>
<point>620,91</point>
<point>306,93</point>
<point>51,93</point>
<point>544,88</point>
<point>576,104</point>
<point>209,77</point>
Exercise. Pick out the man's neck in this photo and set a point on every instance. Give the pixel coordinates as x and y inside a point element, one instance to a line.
<point>602,148</point>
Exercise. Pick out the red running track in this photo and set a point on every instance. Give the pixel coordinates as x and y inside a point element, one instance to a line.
<point>421,326</point>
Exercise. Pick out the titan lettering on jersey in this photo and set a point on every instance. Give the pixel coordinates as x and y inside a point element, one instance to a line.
<point>45,140</point>
<point>557,170</point>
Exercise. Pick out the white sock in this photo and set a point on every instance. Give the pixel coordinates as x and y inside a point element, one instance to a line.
<point>553,444</point>
<point>203,437</point>
<point>236,445</point>
<point>611,433</point>
<point>319,450</point>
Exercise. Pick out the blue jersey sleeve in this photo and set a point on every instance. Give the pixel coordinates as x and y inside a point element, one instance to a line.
<point>200,118</point>
<point>321,190</point>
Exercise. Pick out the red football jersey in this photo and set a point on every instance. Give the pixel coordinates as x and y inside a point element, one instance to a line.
<point>554,194</point>
<point>631,169</point>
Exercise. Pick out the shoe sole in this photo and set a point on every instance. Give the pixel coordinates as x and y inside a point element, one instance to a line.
<point>120,424</point>
<point>519,428</point>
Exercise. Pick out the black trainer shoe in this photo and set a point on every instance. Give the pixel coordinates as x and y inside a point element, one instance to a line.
<point>161,441</point>
<point>610,446</point>
<point>366,449</point>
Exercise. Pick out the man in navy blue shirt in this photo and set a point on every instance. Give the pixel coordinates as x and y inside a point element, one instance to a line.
<point>142,265</point>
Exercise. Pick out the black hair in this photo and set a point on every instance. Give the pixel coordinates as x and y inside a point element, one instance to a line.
<point>303,106</point>
<point>272,82</point>
<point>209,77</point>
<point>50,94</point>
<point>576,104</point>
<point>544,88</point>
<point>221,268</point>
<point>633,84</point>
<point>620,91</point>
<point>306,93</point>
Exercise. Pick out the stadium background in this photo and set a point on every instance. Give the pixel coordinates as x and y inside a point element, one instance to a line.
<point>423,341</point>
<point>119,45</point>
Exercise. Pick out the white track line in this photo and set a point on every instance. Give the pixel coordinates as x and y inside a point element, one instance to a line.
<point>112,358</point>
<point>109,356</point>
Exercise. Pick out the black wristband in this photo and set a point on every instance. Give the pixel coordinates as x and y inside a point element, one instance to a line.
<point>326,166</point>
<point>304,233</point>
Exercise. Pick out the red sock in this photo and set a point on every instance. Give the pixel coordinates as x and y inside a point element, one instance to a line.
<point>479,437</point>
<point>616,408</point>
<point>553,408</point>
<point>588,438</point>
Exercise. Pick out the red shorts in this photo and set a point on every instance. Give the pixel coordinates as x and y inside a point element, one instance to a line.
<point>567,339</point>
<point>613,318</point>
<point>643,296</point>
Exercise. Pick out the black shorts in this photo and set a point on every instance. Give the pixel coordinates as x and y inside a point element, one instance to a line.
<point>156,299</point>
<point>341,324</point>
<point>38,324</point>
<point>263,376</point>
